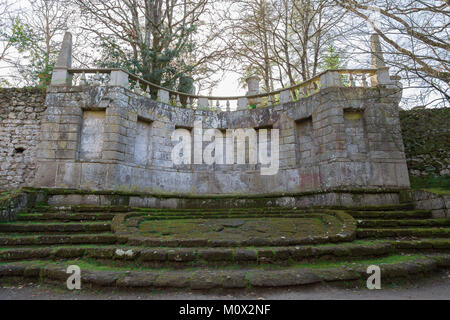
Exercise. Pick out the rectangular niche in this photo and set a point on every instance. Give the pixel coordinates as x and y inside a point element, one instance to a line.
<point>143,144</point>
<point>305,141</point>
<point>92,131</point>
<point>191,132</point>
<point>355,137</point>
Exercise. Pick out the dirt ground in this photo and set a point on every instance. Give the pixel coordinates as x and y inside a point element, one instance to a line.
<point>436,287</point>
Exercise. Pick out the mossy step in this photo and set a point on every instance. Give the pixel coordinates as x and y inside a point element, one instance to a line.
<point>390,215</point>
<point>392,207</point>
<point>203,256</point>
<point>65,216</point>
<point>52,239</point>
<point>403,232</point>
<point>422,244</point>
<point>158,217</point>
<point>404,223</point>
<point>55,227</point>
<point>209,278</point>
<point>83,209</point>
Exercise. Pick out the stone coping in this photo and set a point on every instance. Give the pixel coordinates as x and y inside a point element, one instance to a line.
<point>55,191</point>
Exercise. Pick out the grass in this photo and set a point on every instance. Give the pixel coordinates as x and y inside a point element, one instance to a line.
<point>93,265</point>
<point>431,182</point>
<point>439,191</point>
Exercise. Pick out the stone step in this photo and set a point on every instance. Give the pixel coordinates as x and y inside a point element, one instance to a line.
<point>422,244</point>
<point>173,212</point>
<point>403,223</point>
<point>124,209</point>
<point>180,216</point>
<point>83,209</point>
<point>392,207</point>
<point>54,239</point>
<point>403,232</point>
<point>227,278</point>
<point>391,215</point>
<point>203,256</point>
<point>27,227</point>
<point>67,217</point>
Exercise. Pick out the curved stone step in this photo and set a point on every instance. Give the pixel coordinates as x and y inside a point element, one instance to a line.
<point>392,207</point>
<point>391,215</point>
<point>52,239</point>
<point>437,244</point>
<point>404,232</point>
<point>403,223</point>
<point>83,209</point>
<point>209,278</point>
<point>65,217</point>
<point>25,227</point>
<point>203,256</point>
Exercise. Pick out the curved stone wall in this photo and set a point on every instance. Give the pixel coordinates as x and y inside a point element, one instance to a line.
<point>109,138</point>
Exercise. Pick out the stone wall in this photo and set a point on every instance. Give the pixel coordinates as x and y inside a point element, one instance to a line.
<point>426,134</point>
<point>93,138</point>
<point>437,203</point>
<point>21,111</point>
<point>17,200</point>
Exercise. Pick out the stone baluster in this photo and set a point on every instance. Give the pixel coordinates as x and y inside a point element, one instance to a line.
<point>364,80</point>
<point>352,80</point>
<point>178,103</point>
<point>97,78</point>
<point>189,102</point>
<point>269,100</point>
<point>228,106</point>
<point>137,88</point>
<point>83,80</point>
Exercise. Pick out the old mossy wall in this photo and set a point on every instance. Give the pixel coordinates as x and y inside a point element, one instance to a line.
<point>21,112</point>
<point>426,135</point>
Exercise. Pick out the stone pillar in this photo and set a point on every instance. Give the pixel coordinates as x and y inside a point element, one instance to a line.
<point>330,79</point>
<point>253,88</point>
<point>119,78</point>
<point>203,103</point>
<point>163,96</point>
<point>61,75</point>
<point>382,76</point>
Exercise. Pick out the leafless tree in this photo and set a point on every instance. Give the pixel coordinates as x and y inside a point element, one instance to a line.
<point>283,41</point>
<point>415,35</point>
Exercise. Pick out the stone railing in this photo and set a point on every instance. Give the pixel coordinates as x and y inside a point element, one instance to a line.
<point>331,78</point>
<point>64,74</point>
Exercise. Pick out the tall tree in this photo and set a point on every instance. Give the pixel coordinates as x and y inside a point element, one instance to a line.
<point>35,32</point>
<point>153,38</point>
<point>415,36</point>
<point>283,41</point>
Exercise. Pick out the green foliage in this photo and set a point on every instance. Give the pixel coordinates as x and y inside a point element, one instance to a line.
<point>333,59</point>
<point>431,181</point>
<point>165,65</point>
<point>28,44</point>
